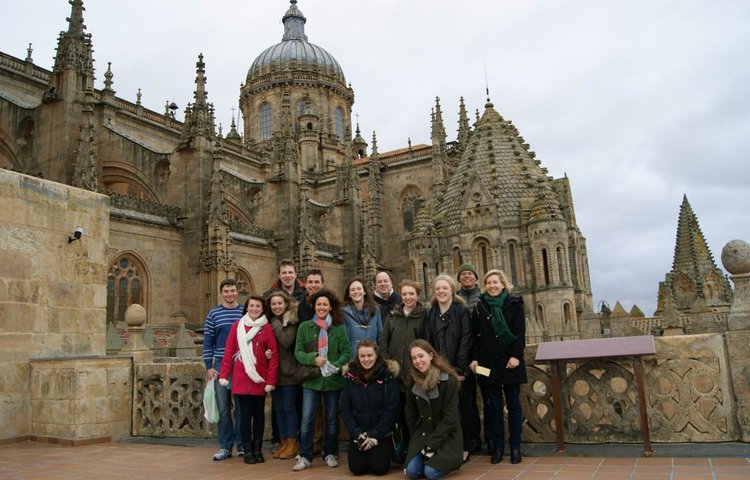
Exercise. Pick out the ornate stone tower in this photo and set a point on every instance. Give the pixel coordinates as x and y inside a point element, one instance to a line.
<point>695,284</point>
<point>498,208</point>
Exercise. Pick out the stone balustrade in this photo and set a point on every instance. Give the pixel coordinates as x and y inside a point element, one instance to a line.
<point>688,385</point>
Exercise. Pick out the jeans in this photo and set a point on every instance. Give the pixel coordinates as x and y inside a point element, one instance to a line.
<point>415,468</point>
<point>285,407</point>
<point>310,401</point>
<point>492,396</point>
<point>229,435</point>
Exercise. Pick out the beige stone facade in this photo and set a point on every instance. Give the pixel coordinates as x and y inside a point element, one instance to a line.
<point>190,206</point>
<point>53,301</point>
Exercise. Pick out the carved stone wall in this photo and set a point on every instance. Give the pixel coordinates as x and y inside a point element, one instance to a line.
<point>168,400</point>
<point>689,396</point>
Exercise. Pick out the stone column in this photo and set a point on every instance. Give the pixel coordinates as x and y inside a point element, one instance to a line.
<point>736,259</point>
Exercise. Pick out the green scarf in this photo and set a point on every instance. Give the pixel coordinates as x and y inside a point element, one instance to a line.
<point>499,325</point>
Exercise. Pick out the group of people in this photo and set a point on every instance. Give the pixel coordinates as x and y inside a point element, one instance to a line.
<point>402,375</point>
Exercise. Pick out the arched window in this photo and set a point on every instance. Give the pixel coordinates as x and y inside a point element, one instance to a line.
<point>413,270</point>
<point>540,315</point>
<point>457,258</point>
<point>512,263</point>
<point>338,123</point>
<point>245,285</point>
<point>126,285</point>
<point>425,275</point>
<point>410,206</point>
<point>483,257</point>
<point>265,121</point>
<point>567,315</point>
<point>560,270</point>
<point>545,266</point>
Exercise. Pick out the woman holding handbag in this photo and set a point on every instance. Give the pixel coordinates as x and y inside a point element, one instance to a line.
<point>253,374</point>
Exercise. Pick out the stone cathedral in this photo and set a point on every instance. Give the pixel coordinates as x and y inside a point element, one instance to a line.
<point>191,205</point>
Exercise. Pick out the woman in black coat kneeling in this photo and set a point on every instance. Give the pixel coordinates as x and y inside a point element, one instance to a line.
<point>369,407</point>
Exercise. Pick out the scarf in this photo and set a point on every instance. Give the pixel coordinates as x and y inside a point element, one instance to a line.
<point>324,325</point>
<point>244,340</point>
<point>427,381</point>
<point>499,325</point>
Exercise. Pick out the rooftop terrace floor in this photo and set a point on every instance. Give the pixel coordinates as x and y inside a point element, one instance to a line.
<point>159,460</point>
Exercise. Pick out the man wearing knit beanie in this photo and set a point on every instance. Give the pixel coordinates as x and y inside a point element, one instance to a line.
<point>467,277</point>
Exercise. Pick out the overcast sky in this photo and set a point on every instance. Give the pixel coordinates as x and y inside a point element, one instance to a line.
<point>638,102</point>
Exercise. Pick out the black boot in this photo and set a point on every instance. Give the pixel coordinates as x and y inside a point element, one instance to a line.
<point>250,458</point>
<point>490,446</point>
<point>515,455</point>
<point>497,457</point>
<point>259,452</point>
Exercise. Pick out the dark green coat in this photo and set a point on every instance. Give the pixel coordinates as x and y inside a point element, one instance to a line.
<point>398,333</point>
<point>436,423</point>
<point>339,353</point>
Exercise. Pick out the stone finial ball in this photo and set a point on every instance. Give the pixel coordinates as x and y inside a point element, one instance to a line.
<point>135,315</point>
<point>736,257</point>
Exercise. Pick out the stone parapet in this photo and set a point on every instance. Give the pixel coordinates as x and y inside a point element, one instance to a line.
<point>689,393</point>
<point>81,399</point>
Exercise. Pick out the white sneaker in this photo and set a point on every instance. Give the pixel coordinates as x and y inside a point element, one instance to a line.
<point>331,461</point>
<point>302,463</point>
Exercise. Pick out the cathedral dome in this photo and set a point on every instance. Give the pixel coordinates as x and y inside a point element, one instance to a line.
<point>295,53</point>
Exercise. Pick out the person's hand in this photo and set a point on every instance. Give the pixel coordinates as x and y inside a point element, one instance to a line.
<point>223,382</point>
<point>368,444</point>
<point>513,362</point>
<point>320,361</point>
<point>427,452</point>
<point>211,373</point>
<point>462,377</point>
<point>473,366</point>
<point>269,388</point>
<point>269,353</point>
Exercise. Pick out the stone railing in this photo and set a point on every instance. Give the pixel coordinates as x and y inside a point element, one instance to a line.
<point>244,228</point>
<point>145,206</point>
<point>688,390</point>
<point>168,400</point>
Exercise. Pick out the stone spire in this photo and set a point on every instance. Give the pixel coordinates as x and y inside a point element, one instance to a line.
<point>199,116</point>
<point>108,93</point>
<point>438,128</point>
<point>463,126</point>
<point>359,144</point>
<point>376,195</point>
<point>73,70</point>
<point>439,150</point>
<point>691,252</point>
<point>86,172</point>
<point>215,254</point>
<point>694,274</point>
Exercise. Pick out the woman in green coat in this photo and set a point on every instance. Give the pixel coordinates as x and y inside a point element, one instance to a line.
<point>432,415</point>
<point>322,342</point>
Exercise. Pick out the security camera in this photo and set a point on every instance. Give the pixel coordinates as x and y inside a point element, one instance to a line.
<point>76,235</point>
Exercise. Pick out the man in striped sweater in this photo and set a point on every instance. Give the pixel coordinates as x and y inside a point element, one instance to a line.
<point>216,328</point>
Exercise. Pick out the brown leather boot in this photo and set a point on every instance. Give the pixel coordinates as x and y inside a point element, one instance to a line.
<point>291,450</point>
<point>282,447</point>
